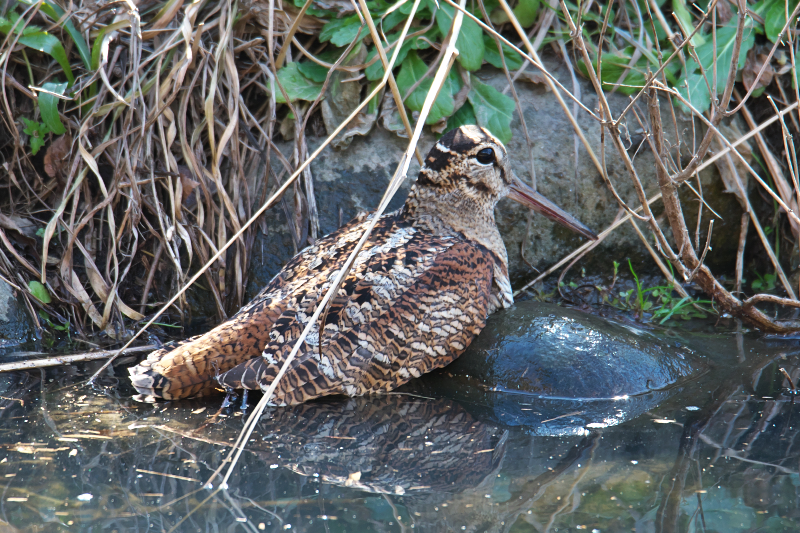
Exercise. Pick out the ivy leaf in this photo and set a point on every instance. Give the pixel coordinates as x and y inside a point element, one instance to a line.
<point>526,12</point>
<point>775,17</point>
<point>463,117</point>
<point>493,109</point>
<point>297,86</point>
<point>48,105</point>
<point>37,132</point>
<point>469,42</point>
<point>342,32</point>
<point>412,70</point>
<point>312,71</point>
<point>375,70</point>
<point>39,291</point>
<point>492,54</point>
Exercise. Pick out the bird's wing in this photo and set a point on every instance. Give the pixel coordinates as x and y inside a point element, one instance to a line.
<point>189,368</point>
<point>412,302</point>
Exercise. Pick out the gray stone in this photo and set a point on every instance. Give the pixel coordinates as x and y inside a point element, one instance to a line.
<point>537,361</point>
<point>353,180</point>
<point>15,327</point>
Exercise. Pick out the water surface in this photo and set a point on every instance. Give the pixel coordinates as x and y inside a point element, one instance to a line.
<point>717,454</point>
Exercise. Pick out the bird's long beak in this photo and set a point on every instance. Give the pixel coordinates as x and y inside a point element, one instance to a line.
<point>528,197</point>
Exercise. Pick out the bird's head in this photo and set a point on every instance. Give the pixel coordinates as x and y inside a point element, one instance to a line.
<point>467,172</point>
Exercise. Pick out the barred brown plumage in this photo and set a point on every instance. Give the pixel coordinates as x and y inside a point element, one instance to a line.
<point>417,294</point>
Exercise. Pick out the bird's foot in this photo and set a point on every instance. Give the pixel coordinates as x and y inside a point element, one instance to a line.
<point>230,398</point>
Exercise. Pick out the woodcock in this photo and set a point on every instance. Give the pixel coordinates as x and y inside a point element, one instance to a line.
<point>418,293</point>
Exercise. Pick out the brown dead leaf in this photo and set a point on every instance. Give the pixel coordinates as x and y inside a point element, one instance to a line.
<point>534,77</point>
<point>9,223</point>
<point>55,159</point>
<point>753,65</point>
<point>259,10</point>
<point>342,98</point>
<point>439,127</point>
<point>724,13</point>
<point>189,185</point>
<point>342,7</point>
<point>390,118</point>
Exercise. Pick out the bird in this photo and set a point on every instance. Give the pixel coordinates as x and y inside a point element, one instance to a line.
<point>419,291</point>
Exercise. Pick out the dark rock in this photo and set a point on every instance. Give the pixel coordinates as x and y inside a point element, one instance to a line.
<point>559,371</point>
<point>15,326</point>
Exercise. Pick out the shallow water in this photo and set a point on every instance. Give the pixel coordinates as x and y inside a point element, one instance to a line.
<point>716,454</point>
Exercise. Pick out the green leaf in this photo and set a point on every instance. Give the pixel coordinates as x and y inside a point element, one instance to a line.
<point>37,132</point>
<point>493,109</point>
<point>398,15</point>
<point>492,54</point>
<point>32,37</point>
<point>463,117</point>
<point>297,86</point>
<point>318,73</point>
<point>726,37</point>
<point>98,41</point>
<point>39,291</point>
<point>696,91</point>
<point>48,105</point>
<point>684,16</point>
<point>375,70</point>
<point>46,319</point>
<point>56,13</point>
<point>469,42</point>
<point>614,65</point>
<point>49,44</point>
<point>313,71</point>
<point>6,24</point>
<point>342,32</point>
<point>526,12</point>
<point>412,70</point>
<point>775,17</point>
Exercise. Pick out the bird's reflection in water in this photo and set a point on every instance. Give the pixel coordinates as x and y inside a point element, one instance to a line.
<point>429,456</point>
<point>394,444</point>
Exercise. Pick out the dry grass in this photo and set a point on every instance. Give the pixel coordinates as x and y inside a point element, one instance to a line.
<point>169,130</point>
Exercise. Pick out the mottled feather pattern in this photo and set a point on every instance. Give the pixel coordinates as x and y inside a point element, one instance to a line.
<point>374,336</point>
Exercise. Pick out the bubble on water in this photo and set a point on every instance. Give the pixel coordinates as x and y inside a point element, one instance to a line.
<point>692,408</point>
<point>85,497</point>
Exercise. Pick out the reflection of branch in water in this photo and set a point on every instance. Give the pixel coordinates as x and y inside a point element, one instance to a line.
<point>733,454</point>
<point>668,512</point>
<point>395,513</point>
<point>574,486</point>
<point>527,494</point>
<point>669,507</point>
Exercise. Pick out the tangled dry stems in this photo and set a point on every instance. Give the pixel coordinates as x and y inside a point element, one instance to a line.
<point>169,146</point>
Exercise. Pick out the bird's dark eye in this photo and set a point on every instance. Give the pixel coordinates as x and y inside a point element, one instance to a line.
<point>485,156</point>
